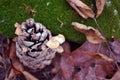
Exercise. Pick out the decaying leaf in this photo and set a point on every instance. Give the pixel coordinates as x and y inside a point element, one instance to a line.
<point>92,35</point>
<point>5,64</point>
<point>18,30</point>
<point>18,67</point>
<point>100,6</point>
<point>86,74</point>
<point>81,8</point>
<point>79,65</point>
<point>115,47</point>
<point>116,76</point>
<point>98,56</point>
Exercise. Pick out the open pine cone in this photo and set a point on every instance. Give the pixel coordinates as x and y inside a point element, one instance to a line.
<point>4,61</point>
<point>31,46</point>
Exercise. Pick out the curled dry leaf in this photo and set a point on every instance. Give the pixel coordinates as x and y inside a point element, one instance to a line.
<point>100,6</point>
<point>92,35</point>
<point>18,30</point>
<point>81,8</point>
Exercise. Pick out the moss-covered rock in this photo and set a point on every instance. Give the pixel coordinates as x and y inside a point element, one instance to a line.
<point>52,12</point>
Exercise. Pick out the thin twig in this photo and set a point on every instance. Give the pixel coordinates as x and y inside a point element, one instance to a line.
<point>61,23</point>
<point>107,43</point>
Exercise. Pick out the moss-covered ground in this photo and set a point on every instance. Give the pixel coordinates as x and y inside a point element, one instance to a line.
<point>57,16</point>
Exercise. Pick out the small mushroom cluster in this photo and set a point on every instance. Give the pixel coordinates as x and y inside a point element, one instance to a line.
<point>35,46</point>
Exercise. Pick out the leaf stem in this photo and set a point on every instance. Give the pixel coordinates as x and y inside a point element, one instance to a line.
<point>107,43</point>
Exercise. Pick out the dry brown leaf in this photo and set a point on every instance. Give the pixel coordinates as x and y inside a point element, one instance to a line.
<point>18,30</point>
<point>100,6</point>
<point>100,56</point>
<point>18,67</point>
<point>86,74</point>
<point>116,76</point>
<point>115,47</point>
<point>92,35</point>
<point>81,8</point>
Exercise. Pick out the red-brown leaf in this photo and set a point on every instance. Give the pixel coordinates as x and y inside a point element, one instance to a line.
<point>116,76</point>
<point>86,74</point>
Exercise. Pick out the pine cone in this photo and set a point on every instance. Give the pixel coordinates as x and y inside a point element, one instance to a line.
<point>4,61</point>
<point>31,46</point>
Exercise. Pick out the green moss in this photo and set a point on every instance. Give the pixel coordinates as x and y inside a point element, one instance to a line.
<point>51,12</point>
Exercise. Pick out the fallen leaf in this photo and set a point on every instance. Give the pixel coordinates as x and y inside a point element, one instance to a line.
<point>100,6</point>
<point>79,65</point>
<point>98,56</point>
<point>17,66</point>
<point>91,74</point>
<point>109,68</point>
<point>92,35</point>
<point>116,76</point>
<point>5,64</point>
<point>81,8</point>
<point>66,67</point>
<point>100,73</point>
<point>115,47</point>
<point>18,30</point>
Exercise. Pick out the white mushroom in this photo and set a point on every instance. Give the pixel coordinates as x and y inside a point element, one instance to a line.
<point>60,38</point>
<point>59,49</point>
<point>52,43</point>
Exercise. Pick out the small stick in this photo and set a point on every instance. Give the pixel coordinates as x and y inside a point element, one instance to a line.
<point>61,25</point>
<point>107,44</point>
